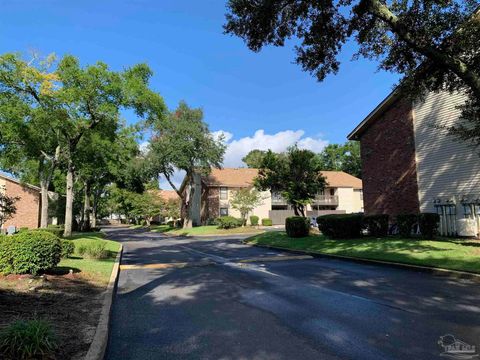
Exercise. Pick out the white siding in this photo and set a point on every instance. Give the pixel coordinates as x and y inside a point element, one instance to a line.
<point>447,169</point>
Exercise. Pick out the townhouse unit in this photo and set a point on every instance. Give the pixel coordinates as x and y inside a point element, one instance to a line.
<point>411,164</point>
<point>213,195</point>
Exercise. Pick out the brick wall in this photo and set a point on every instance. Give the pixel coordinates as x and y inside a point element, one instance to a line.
<point>28,206</point>
<point>210,203</point>
<point>388,162</point>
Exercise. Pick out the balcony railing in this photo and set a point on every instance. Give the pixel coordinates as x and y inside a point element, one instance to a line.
<point>319,200</point>
<point>325,200</point>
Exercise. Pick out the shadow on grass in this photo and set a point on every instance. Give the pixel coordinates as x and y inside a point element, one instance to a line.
<point>62,270</point>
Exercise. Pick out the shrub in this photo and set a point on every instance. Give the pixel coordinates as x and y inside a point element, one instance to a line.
<point>68,248</point>
<point>56,230</point>
<point>341,226</point>
<point>267,222</point>
<point>30,252</point>
<point>254,220</point>
<point>228,222</point>
<point>428,223</point>
<point>405,224</point>
<point>297,226</point>
<point>377,225</point>
<point>28,339</point>
<point>94,250</point>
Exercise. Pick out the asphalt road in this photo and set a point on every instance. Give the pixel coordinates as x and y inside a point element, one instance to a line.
<point>197,298</point>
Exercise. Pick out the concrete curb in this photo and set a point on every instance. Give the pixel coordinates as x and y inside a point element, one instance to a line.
<point>214,235</point>
<point>456,274</point>
<point>100,339</point>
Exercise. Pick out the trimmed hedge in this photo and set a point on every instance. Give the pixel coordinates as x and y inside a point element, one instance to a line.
<point>228,222</point>
<point>29,252</point>
<point>377,225</point>
<point>56,230</point>
<point>297,226</point>
<point>267,222</point>
<point>405,223</point>
<point>341,226</point>
<point>68,248</point>
<point>428,223</point>
<point>254,220</point>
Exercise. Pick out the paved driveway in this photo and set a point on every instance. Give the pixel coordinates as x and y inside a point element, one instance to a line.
<point>192,298</point>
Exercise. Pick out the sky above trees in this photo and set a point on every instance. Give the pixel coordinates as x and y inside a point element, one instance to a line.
<point>240,92</point>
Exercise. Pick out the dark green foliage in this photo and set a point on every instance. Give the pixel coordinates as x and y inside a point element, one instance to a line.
<point>68,248</point>
<point>428,223</point>
<point>254,220</point>
<point>29,252</point>
<point>341,226</point>
<point>405,223</point>
<point>228,222</point>
<point>57,230</point>
<point>28,339</point>
<point>95,251</point>
<point>377,225</point>
<point>297,226</point>
<point>267,222</point>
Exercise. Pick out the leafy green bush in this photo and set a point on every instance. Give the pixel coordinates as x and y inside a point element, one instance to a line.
<point>341,226</point>
<point>377,225</point>
<point>228,222</point>
<point>297,226</point>
<point>29,252</point>
<point>96,250</point>
<point>28,339</point>
<point>254,220</point>
<point>428,223</point>
<point>267,222</point>
<point>405,223</point>
<point>57,230</point>
<point>68,248</point>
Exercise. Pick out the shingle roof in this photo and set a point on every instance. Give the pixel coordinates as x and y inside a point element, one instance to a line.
<point>243,177</point>
<point>168,194</point>
<point>231,177</point>
<point>341,179</point>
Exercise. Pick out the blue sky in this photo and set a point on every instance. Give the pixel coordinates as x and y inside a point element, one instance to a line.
<point>241,92</point>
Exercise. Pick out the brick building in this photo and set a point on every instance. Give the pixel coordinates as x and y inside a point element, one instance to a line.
<point>28,204</point>
<point>410,165</point>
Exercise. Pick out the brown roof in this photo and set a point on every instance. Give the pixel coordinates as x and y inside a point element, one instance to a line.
<point>243,177</point>
<point>341,179</point>
<point>232,177</point>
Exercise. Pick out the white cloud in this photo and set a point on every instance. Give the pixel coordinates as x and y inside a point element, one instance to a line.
<point>278,142</point>
<point>237,149</point>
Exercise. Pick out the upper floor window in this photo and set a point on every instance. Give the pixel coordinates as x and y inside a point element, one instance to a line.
<point>223,193</point>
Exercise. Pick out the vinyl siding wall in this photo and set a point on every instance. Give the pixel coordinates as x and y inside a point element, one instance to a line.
<point>447,170</point>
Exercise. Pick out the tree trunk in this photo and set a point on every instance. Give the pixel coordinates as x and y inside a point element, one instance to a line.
<point>86,208</point>
<point>69,202</point>
<point>295,210</point>
<point>187,221</point>
<point>94,210</point>
<point>44,203</point>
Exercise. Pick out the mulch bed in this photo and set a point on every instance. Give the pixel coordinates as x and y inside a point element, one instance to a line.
<point>69,302</point>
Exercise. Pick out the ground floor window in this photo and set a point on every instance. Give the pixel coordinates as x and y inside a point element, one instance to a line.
<point>223,211</point>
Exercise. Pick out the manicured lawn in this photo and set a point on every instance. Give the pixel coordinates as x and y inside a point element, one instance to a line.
<point>456,254</point>
<point>98,270</point>
<point>161,228</point>
<point>213,230</point>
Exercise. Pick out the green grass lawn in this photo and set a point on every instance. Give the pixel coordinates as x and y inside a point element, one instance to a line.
<point>98,270</point>
<point>213,230</point>
<point>456,254</point>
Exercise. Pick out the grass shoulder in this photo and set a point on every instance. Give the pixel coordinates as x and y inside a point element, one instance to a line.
<point>454,254</point>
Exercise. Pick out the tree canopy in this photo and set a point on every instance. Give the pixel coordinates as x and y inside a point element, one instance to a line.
<point>254,158</point>
<point>342,157</point>
<point>433,43</point>
<point>296,175</point>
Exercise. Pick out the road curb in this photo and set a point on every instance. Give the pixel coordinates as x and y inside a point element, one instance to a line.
<point>100,339</point>
<point>455,274</point>
<point>214,235</point>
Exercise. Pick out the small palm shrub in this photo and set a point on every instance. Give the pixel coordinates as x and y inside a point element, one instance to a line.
<point>297,226</point>
<point>96,250</point>
<point>254,220</point>
<point>28,339</point>
<point>267,222</point>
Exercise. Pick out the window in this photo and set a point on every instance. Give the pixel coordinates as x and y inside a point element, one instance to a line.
<point>332,192</point>
<point>223,193</point>
<point>223,211</point>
